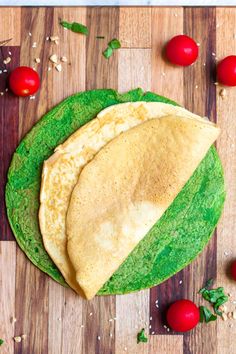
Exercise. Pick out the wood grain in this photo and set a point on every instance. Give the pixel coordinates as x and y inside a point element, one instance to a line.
<point>199,97</point>
<point>226,145</point>
<point>168,81</point>
<point>134,69</point>
<point>10,25</point>
<point>135,27</point>
<point>31,307</point>
<point>166,344</point>
<point>101,72</point>
<point>73,47</point>
<point>38,22</point>
<point>7,294</point>
<point>9,119</point>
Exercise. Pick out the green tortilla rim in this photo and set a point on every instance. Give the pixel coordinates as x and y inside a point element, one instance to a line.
<point>173,242</point>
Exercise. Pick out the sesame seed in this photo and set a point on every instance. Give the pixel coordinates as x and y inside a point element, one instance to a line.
<point>90,314</point>
<point>30,34</point>
<point>99,338</point>
<point>224,316</point>
<point>226,253</point>
<point>6,89</point>
<point>157,306</point>
<point>153,332</point>
<point>150,326</point>
<point>33,98</point>
<point>114,318</point>
<point>0,72</point>
<point>5,70</point>
<point>37,60</point>
<point>1,93</point>
<point>23,336</point>
<point>111,335</point>
<point>165,326</point>
<point>13,319</point>
<point>196,86</point>
<point>150,318</point>
<point>231,325</point>
<point>163,74</point>
<point>204,64</point>
<point>58,67</point>
<point>111,319</point>
<point>180,282</point>
<point>17,339</point>
<point>47,38</point>
<point>9,53</point>
<point>82,326</point>
<point>168,330</point>
<point>198,44</point>
<point>175,14</point>
<point>125,348</point>
<point>218,25</point>
<point>213,54</point>
<point>49,69</point>
<point>34,45</point>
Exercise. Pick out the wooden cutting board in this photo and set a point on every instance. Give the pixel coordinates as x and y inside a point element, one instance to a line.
<point>54,319</point>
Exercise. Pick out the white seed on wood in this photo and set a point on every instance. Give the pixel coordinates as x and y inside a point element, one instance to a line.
<point>23,336</point>
<point>222,93</point>
<point>53,58</point>
<point>37,60</point>
<point>58,67</point>
<point>54,38</point>
<point>224,317</point>
<point>7,60</point>
<point>234,315</point>
<point>1,93</point>
<point>13,319</point>
<point>34,45</point>
<point>64,59</point>
<point>17,339</point>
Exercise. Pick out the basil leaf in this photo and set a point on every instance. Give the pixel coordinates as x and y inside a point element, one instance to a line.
<point>114,44</point>
<point>107,52</point>
<point>141,337</point>
<point>1,341</point>
<point>206,315</point>
<point>217,297</point>
<point>75,27</point>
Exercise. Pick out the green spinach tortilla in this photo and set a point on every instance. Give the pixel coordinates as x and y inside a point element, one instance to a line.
<point>176,239</point>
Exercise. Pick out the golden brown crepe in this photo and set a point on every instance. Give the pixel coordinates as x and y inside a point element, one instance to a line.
<point>61,170</point>
<point>126,188</point>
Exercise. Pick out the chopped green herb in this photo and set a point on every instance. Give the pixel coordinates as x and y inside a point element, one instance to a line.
<point>206,315</point>
<point>107,52</point>
<point>75,27</point>
<point>1,341</point>
<point>217,297</point>
<point>114,44</point>
<point>100,37</point>
<point>141,337</point>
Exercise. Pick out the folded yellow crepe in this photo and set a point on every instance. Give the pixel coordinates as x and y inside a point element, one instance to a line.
<point>61,170</point>
<point>126,188</point>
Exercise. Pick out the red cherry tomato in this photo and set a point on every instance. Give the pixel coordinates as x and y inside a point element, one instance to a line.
<point>233,269</point>
<point>24,81</point>
<point>226,71</point>
<point>182,50</point>
<point>183,315</point>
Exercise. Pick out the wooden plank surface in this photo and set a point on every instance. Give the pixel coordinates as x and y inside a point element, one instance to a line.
<point>54,319</point>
